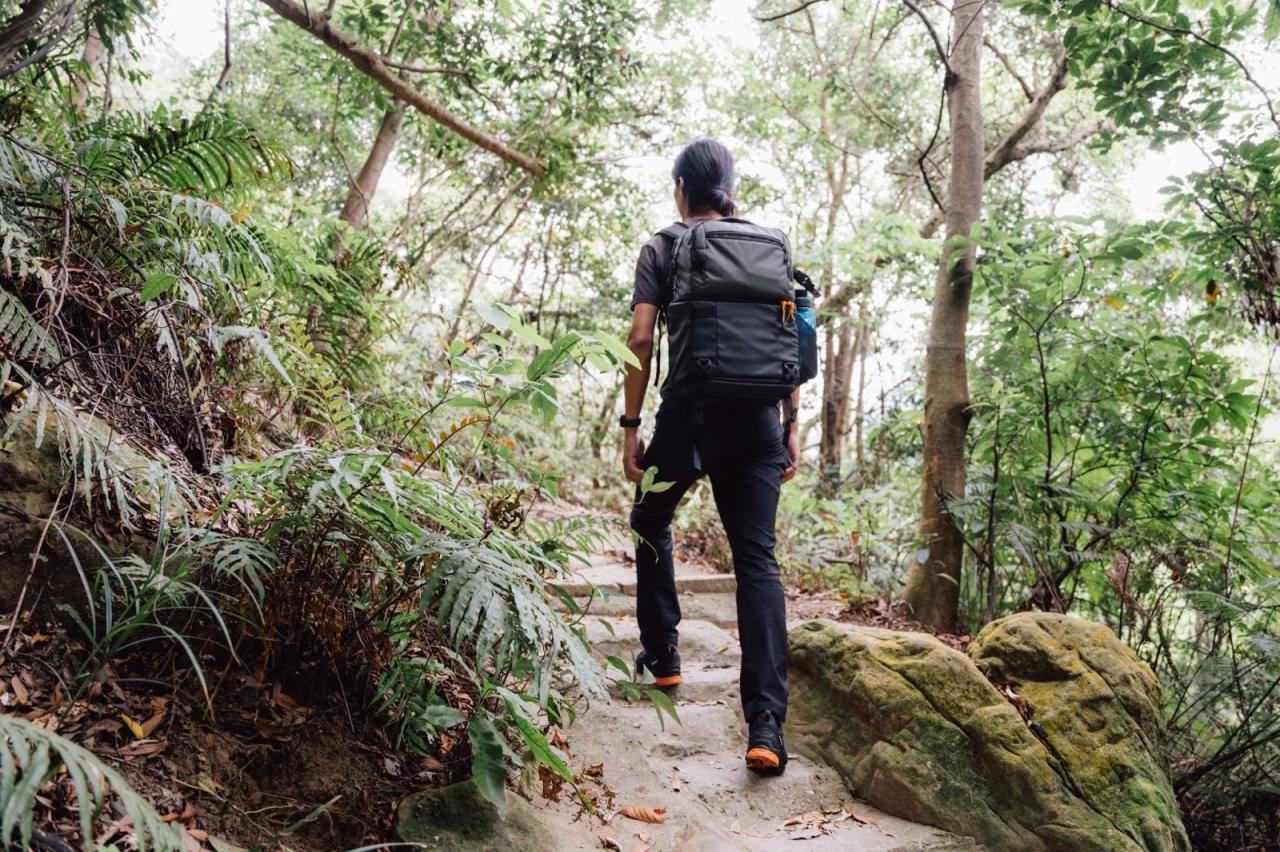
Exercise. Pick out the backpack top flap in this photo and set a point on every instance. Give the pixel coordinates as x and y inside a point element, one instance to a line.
<point>732,260</point>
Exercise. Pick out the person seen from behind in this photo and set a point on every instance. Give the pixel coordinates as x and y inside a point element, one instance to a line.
<point>725,288</point>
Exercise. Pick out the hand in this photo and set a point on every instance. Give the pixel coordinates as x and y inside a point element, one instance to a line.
<point>793,454</point>
<point>632,453</point>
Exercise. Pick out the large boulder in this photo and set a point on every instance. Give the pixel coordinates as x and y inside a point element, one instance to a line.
<point>919,731</point>
<point>1097,708</point>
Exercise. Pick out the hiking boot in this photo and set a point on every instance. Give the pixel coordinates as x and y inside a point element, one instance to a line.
<point>665,668</point>
<point>765,752</point>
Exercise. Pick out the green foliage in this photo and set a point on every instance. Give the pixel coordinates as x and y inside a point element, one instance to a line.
<point>31,755</point>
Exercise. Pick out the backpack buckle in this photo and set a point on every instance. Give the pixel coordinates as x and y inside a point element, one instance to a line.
<point>706,366</point>
<point>790,371</point>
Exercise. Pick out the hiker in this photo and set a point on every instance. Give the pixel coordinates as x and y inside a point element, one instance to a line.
<point>728,407</point>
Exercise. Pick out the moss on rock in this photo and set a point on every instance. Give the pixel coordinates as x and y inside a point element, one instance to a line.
<point>1097,707</point>
<point>920,732</point>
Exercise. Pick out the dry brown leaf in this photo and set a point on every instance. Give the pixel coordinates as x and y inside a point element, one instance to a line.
<point>751,832</point>
<point>149,726</point>
<point>644,814</point>
<point>735,827</point>
<point>865,820</point>
<point>645,837</point>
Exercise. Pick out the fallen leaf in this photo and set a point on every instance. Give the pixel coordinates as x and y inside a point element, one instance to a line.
<point>887,833</point>
<point>134,727</point>
<point>751,832</point>
<point>735,827</point>
<point>645,837</point>
<point>644,814</point>
<point>149,726</point>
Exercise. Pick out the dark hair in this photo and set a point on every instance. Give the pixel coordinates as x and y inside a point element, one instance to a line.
<point>707,169</point>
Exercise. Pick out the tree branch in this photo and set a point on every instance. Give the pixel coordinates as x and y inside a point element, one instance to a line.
<point>373,66</point>
<point>1165,28</point>
<point>768,19</point>
<point>1009,149</point>
<point>933,34</point>
<point>1008,66</point>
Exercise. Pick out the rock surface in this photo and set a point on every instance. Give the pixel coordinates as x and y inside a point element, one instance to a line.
<point>458,819</point>
<point>919,731</point>
<point>1096,706</point>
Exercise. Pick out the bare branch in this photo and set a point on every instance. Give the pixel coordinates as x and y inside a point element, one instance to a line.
<point>933,34</point>
<point>778,17</point>
<point>376,68</point>
<point>1008,66</point>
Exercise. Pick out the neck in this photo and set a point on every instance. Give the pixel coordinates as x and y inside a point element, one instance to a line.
<point>703,214</point>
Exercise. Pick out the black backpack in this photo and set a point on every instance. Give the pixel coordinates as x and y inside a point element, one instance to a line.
<point>739,329</point>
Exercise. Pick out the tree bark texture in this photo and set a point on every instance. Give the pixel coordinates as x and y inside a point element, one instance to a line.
<point>376,68</point>
<point>933,587</point>
<point>356,208</point>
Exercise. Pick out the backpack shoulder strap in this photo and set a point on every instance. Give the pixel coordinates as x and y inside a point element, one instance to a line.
<point>674,230</point>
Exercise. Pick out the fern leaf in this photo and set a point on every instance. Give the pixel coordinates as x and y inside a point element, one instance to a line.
<point>27,753</point>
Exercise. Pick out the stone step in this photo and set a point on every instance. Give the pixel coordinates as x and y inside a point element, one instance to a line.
<point>616,576</point>
<point>701,642</point>
<point>702,683</point>
<point>719,608</point>
<point>695,770</point>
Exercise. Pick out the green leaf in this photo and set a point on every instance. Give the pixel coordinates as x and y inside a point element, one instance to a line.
<point>663,704</point>
<point>487,766</point>
<point>542,750</point>
<point>157,284</point>
<point>617,348</point>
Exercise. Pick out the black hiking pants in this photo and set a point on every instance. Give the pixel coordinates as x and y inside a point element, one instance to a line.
<point>741,449</point>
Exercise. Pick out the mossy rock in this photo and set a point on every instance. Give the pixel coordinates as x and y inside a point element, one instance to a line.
<point>1097,707</point>
<point>458,819</point>
<point>920,732</point>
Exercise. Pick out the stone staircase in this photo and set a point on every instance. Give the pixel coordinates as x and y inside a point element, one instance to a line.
<point>695,769</point>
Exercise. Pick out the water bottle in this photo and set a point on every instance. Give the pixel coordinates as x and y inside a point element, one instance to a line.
<point>807,332</point>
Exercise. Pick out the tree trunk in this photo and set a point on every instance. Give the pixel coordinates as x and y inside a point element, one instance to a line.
<point>859,419</point>
<point>836,381</point>
<point>356,209</point>
<point>933,588</point>
<point>92,57</point>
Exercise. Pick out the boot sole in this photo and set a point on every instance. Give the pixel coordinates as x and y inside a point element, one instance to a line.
<point>765,762</point>
<point>667,681</point>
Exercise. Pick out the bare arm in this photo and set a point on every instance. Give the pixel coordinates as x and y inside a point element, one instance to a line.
<point>644,319</point>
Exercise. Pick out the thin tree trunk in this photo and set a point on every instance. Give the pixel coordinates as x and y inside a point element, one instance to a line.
<point>933,588</point>
<point>221,84</point>
<point>859,418</point>
<point>356,208</point>
<point>92,57</point>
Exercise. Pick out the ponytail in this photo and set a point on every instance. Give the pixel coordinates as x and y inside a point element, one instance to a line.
<point>706,167</point>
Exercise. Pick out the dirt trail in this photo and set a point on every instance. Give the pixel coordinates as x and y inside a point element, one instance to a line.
<point>695,769</point>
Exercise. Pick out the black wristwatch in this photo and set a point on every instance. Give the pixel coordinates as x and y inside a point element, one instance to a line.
<point>628,422</point>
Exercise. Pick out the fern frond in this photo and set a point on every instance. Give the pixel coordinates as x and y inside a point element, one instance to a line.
<point>31,755</point>
<point>205,152</point>
<point>21,336</point>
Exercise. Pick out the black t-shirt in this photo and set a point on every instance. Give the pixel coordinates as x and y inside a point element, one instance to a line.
<point>653,267</point>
